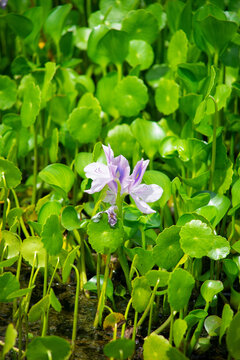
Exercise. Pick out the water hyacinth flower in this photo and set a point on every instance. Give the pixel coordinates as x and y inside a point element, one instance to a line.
<point>117,171</point>
<point>3,3</point>
<point>112,216</point>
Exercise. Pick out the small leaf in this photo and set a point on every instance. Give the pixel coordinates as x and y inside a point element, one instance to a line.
<point>114,46</point>
<point>40,348</point>
<point>48,209</point>
<point>157,275</point>
<point>179,329</point>
<point>38,309</point>
<point>70,219</point>
<point>54,301</point>
<point>52,236</point>
<point>20,25</point>
<point>141,293</point>
<point>212,325</point>
<point>31,104</point>
<point>167,96</point>
<point>12,174</point>
<point>91,285</point>
<point>140,53</point>
<point>177,49</point>
<point>8,284</point>
<point>112,319</point>
<point>33,247</point>
<point>10,339</point>
<point>55,21</point>
<point>8,92</point>
<point>210,288</point>
<point>227,315</point>
<point>180,287</point>
<point>233,337</point>
<point>161,179</point>
<point>121,140</point>
<point>13,243</point>
<point>59,176</point>
<point>119,349</point>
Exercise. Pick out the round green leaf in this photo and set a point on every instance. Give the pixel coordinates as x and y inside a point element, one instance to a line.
<point>105,93</point>
<point>141,25</point>
<point>179,329</point>
<point>210,288</point>
<point>90,101</point>
<point>148,134</point>
<point>159,178</point>
<point>177,49</point>
<point>103,238</point>
<point>180,287</point>
<point>156,347</point>
<point>195,316</point>
<point>52,236</point>
<point>220,248</point>
<point>157,275</point>
<point>131,96</point>
<point>59,176</point>
<point>196,238</point>
<point>119,349</point>
<point>84,124</point>
<point>8,92</point>
<point>31,246</point>
<point>31,104</point>
<point>143,259</point>
<point>48,209</point>
<point>40,347</point>
<point>114,45</point>
<point>12,174</point>
<point>167,95</point>
<point>70,219</point>
<point>121,140</point>
<point>157,11</point>
<point>212,325</point>
<point>168,252</point>
<point>140,53</point>
<point>81,36</point>
<point>93,41</point>
<point>141,293</point>
<point>12,242</point>
<point>8,284</point>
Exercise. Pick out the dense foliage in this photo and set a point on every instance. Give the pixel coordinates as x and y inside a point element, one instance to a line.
<point>157,84</point>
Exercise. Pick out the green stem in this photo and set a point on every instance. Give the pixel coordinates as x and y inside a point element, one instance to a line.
<point>99,259</point>
<point>135,326</point>
<point>52,277</point>
<point>75,316</point>
<point>35,165</point>
<point>20,330</point>
<point>24,229</point>
<point>124,264</point>
<point>83,275</point>
<point>4,202</point>
<point>214,144</point>
<point>119,71</point>
<point>143,237</point>
<point>45,275</point>
<point>165,324</point>
<point>143,317</point>
<point>150,319</point>
<point>232,229</point>
<point>101,301</point>
<point>126,316</point>
<point>171,328</point>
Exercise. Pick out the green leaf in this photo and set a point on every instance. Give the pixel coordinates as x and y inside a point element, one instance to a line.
<point>143,259</point>
<point>19,24</point>
<point>53,149</point>
<point>157,10</point>
<point>12,174</point>
<point>153,276</point>
<point>55,21</point>
<point>12,242</point>
<point>156,347</point>
<point>50,70</point>
<point>131,96</point>
<point>221,95</point>
<point>194,317</point>
<point>121,140</point>
<point>141,293</point>
<point>8,284</point>
<point>148,134</point>
<point>8,92</point>
<point>54,301</point>
<point>235,197</point>
<point>10,339</point>
<point>31,104</point>
<point>168,252</point>
<point>179,329</point>
<point>114,46</point>
<point>140,53</point>
<point>103,238</point>
<point>84,124</point>
<point>93,41</point>
<point>180,287</point>
<point>9,262</point>
<point>38,309</point>
<point>233,337</point>
<point>19,293</point>
<point>67,266</point>
<point>217,32</point>
<point>35,14</point>
<point>210,288</point>
<point>105,93</point>
<point>32,246</point>
<point>48,209</point>
<point>40,348</point>
<point>212,325</point>
<point>91,285</point>
<point>177,49</point>
<point>141,25</point>
<point>167,95</point>
<point>52,236</point>
<point>227,315</point>
<point>59,176</point>
<point>70,219</point>
<point>90,101</point>
<point>81,160</point>
<point>119,349</point>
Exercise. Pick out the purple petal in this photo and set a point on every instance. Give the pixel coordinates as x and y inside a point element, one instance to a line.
<point>108,153</point>
<point>142,206</point>
<point>97,170</point>
<point>97,185</point>
<point>148,193</point>
<point>112,216</point>
<point>138,173</point>
<point>110,197</point>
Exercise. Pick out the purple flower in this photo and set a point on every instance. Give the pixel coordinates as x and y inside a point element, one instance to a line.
<point>3,3</point>
<point>117,171</point>
<point>112,216</point>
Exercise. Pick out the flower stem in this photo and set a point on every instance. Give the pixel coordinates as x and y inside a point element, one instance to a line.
<point>75,316</point>
<point>126,316</point>
<point>214,144</point>
<point>35,165</point>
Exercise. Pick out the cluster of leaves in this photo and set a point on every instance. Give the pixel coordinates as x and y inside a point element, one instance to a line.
<point>153,81</point>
